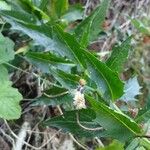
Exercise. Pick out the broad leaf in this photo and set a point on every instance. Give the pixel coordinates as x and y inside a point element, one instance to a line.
<point>9,97</point>
<point>6,49</point>
<point>131,89</point>
<point>68,122</point>
<point>116,124</point>
<point>44,60</point>
<point>93,23</point>
<point>108,82</point>
<point>119,56</point>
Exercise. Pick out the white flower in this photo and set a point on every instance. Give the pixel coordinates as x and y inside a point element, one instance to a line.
<point>79,100</point>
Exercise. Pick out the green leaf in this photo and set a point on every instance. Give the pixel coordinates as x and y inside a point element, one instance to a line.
<point>131,89</point>
<point>6,49</point>
<point>93,22</point>
<point>68,122</point>
<point>4,6</point>
<point>144,114</point>
<point>119,56</point>
<point>58,8</point>
<point>116,124</point>
<point>108,82</point>
<point>17,15</point>
<point>68,81</point>
<point>43,60</point>
<point>54,96</point>
<point>75,12</point>
<point>134,144</point>
<point>52,101</point>
<point>52,38</point>
<point>140,26</point>
<point>115,145</point>
<point>28,6</point>
<point>9,97</point>
<point>139,144</point>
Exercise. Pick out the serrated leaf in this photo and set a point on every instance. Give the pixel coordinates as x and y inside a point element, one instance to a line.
<point>6,49</point>
<point>108,82</point>
<point>9,97</point>
<point>68,122</point>
<point>43,60</point>
<point>119,55</point>
<point>67,80</point>
<point>131,89</point>
<point>116,124</point>
<point>93,22</point>
<point>115,145</point>
<point>52,38</point>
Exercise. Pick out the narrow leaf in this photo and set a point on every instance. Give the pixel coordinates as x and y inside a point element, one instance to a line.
<point>43,60</point>
<point>108,82</point>
<point>119,56</point>
<point>94,21</point>
<point>117,124</point>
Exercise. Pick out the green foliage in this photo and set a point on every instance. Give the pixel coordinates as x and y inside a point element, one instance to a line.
<point>73,13</point>
<point>139,144</point>
<point>115,145</point>
<point>68,122</point>
<point>119,55</point>
<point>58,8</point>
<point>9,97</point>
<point>54,96</point>
<point>6,49</point>
<point>63,57</point>
<point>141,27</point>
<point>44,60</point>
<point>104,77</point>
<point>117,124</point>
<point>91,26</point>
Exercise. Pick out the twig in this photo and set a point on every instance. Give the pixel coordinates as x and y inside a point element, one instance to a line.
<point>79,144</point>
<point>29,145</point>
<point>21,136</point>
<point>57,95</point>
<point>34,74</point>
<point>99,142</point>
<point>72,137</point>
<point>8,136</point>
<point>86,128</point>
